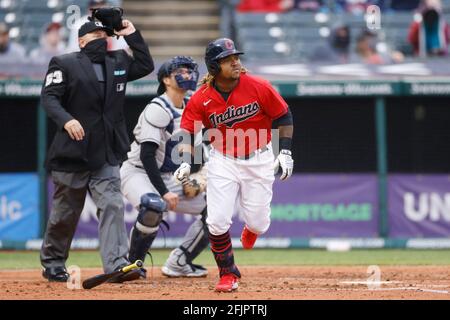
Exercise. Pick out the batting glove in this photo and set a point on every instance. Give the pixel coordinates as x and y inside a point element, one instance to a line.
<point>181,175</point>
<point>284,160</point>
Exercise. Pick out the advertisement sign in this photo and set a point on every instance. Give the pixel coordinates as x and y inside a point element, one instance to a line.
<point>19,207</point>
<point>303,206</point>
<point>419,206</point>
<point>325,205</point>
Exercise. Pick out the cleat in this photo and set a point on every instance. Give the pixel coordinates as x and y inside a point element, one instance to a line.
<point>227,283</point>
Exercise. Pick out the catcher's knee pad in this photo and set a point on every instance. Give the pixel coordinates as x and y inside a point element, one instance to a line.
<point>151,212</point>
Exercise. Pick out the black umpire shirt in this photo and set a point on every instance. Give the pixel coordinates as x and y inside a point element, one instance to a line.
<point>72,91</point>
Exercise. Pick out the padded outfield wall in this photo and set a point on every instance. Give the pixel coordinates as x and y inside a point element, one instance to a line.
<point>372,166</point>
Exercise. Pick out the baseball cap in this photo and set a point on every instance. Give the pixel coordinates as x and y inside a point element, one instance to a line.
<point>90,27</point>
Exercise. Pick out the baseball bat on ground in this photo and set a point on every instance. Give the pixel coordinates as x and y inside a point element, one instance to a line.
<point>102,278</point>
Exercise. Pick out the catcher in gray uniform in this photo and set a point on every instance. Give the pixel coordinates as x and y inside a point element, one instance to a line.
<point>147,179</point>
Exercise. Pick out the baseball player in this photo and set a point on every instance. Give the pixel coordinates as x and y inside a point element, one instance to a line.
<point>238,111</point>
<point>147,180</point>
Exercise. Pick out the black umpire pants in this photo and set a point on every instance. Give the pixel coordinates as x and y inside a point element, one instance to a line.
<point>68,202</point>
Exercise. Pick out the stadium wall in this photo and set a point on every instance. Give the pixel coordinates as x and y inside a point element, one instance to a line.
<point>372,167</point>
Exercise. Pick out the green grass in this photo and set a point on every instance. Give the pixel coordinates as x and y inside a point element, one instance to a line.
<point>90,259</point>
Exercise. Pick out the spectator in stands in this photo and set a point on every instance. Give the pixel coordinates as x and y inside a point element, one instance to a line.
<point>338,6</point>
<point>395,5</point>
<point>403,5</point>
<point>264,5</point>
<point>10,52</point>
<point>430,35</point>
<point>366,50</point>
<point>337,49</point>
<point>426,4</point>
<point>370,51</point>
<point>52,45</point>
<point>113,42</point>
<point>309,5</point>
<point>357,7</point>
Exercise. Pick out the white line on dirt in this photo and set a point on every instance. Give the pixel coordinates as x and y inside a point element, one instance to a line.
<point>370,283</point>
<point>412,288</point>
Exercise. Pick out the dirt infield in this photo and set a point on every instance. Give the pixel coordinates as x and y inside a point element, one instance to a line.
<point>265,283</point>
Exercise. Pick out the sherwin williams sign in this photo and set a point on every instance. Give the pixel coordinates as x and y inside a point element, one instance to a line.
<point>325,206</point>
<point>303,206</point>
<point>19,212</point>
<point>419,206</point>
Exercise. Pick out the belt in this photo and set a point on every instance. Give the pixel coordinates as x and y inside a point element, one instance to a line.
<point>248,156</point>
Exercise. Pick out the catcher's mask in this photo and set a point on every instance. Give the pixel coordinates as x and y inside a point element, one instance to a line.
<point>173,66</point>
<point>111,18</point>
<point>216,50</point>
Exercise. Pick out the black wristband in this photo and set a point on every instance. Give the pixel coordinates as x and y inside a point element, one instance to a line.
<point>285,143</point>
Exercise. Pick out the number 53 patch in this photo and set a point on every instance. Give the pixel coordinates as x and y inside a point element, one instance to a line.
<point>54,77</point>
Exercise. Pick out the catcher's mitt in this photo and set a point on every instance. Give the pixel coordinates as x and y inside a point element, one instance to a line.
<point>195,184</point>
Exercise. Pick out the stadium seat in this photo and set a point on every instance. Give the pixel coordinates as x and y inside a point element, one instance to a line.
<point>263,33</point>
<point>38,19</point>
<point>295,18</point>
<point>272,50</point>
<point>42,5</point>
<point>243,20</point>
<point>398,19</point>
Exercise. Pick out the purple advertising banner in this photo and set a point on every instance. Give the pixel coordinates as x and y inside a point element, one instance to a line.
<point>304,206</point>
<point>419,206</point>
<point>325,205</point>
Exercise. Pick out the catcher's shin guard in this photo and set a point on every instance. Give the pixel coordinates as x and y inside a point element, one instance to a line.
<point>140,243</point>
<point>196,238</point>
<point>194,242</point>
<point>223,254</point>
<point>146,226</point>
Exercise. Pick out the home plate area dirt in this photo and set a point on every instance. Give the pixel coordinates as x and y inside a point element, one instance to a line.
<point>261,283</point>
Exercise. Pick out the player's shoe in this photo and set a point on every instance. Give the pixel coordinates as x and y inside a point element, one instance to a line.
<point>248,238</point>
<point>56,274</point>
<point>187,270</point>
<point>131,275</point>
<point>227,283</point>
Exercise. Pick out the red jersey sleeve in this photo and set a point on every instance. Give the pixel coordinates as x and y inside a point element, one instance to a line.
<point>272,103</point>
<point>192,118</point>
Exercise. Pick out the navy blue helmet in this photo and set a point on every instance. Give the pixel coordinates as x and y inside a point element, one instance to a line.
<point>216,50</point>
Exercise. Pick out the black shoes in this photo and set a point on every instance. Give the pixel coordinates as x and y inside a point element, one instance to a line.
<point>56,274</point>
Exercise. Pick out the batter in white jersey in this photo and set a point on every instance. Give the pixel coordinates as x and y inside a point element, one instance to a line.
<point>147,175</point>
<point>238,110</point>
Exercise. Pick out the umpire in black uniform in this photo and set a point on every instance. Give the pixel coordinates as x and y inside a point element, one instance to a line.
<point>84,94</point>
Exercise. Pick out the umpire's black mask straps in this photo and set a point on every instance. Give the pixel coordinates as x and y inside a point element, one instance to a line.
<point>96,50</point>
